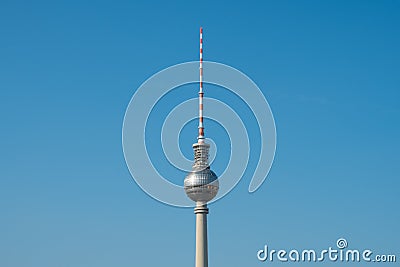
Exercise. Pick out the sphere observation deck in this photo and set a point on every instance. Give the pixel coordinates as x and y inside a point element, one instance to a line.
<point>201,184</point>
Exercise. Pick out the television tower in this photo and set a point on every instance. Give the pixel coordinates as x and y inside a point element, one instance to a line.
<point>201,184</point>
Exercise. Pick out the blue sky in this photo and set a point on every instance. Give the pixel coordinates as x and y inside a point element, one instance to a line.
<point>329,70</point>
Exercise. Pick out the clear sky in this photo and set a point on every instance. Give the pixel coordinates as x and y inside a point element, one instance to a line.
<point>329,70</point>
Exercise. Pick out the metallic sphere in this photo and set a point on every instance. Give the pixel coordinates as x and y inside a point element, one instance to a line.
<point>201,185</point>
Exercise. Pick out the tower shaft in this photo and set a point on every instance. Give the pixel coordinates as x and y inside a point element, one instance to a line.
<point>201,212</point>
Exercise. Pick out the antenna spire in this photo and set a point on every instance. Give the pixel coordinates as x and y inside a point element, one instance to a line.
<point>200,138</point>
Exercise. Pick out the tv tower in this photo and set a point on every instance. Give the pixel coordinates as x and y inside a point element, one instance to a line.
<point>201,184</point>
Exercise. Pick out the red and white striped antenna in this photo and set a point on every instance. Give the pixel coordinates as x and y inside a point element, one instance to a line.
<point>200,138</point>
